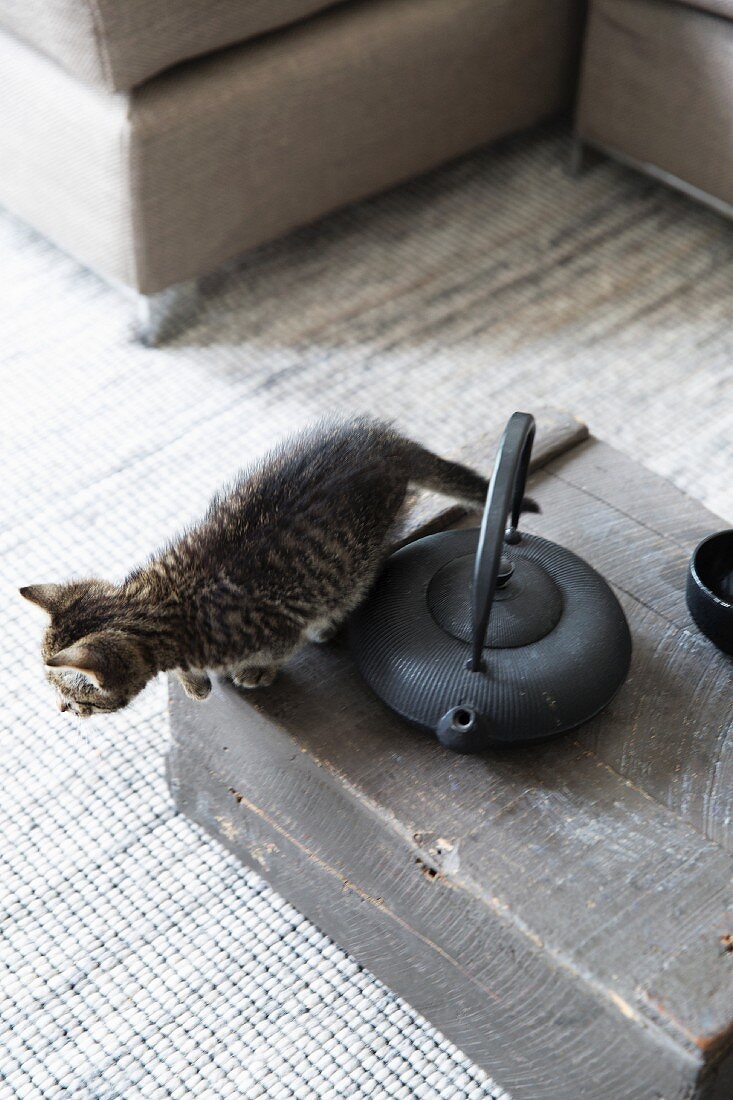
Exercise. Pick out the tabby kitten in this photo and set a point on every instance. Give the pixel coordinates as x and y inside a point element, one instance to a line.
<point>280,558</point>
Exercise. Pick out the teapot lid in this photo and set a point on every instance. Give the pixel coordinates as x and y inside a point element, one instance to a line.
<point>492,636</point>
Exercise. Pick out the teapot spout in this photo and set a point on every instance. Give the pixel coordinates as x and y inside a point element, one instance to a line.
<point>459,729</point>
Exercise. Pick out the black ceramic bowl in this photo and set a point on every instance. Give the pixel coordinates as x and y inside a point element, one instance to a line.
<point>710,588</point>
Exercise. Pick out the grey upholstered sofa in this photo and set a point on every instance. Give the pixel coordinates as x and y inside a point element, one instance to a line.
<point>656,91</point>
<point>155,139</point>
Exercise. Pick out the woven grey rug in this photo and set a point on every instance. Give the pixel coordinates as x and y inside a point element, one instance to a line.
<point>138,959</point>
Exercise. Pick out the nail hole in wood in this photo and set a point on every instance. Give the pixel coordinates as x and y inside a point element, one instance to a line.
<point>429,872</point>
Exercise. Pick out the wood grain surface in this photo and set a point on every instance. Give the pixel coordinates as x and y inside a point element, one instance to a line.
<point>564,913</point>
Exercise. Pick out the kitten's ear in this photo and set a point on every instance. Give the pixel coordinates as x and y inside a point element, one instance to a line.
<point>80,657</point>
<point>47,596</point>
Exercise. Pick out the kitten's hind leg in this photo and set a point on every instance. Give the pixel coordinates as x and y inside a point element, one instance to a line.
<point>196,684</point>
<point>253,676</point>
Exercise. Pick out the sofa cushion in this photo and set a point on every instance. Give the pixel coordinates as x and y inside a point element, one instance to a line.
<point>655,91</point>
<point>117,44</point>
<point>230,151</point>
<point>714,7</point>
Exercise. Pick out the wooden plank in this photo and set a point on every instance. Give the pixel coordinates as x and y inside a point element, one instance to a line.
<point>561,912</point>
<point>635,493</point>
<point>631,533</point>
<point>573,826</point>
<point>463,960</point>
<point>670,731</point>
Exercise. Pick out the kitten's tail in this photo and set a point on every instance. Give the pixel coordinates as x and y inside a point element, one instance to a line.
<point>452,479</point>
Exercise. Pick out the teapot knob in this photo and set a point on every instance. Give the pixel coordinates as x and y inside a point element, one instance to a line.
<point>505,573</point>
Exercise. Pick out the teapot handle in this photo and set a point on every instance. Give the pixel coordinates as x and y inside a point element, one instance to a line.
<point>505,495</point>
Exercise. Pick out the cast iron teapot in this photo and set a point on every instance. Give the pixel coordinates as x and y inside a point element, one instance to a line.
<point>492,636</point>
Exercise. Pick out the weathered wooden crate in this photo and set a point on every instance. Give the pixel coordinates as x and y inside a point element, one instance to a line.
<point>563,913</point>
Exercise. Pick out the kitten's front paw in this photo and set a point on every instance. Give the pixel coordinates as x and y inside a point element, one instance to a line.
<point>196,685</point>
<point>254,676</point>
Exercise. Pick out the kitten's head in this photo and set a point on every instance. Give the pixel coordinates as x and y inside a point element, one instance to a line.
<point>92,659</point>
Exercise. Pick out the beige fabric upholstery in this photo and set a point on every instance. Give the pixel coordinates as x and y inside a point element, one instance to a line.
<point>227,152</point>
<point>657,86</point>
<point>117,44</point>
<point>714,7</point>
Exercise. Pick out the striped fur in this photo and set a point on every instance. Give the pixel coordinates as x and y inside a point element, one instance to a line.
<point>280,558</point>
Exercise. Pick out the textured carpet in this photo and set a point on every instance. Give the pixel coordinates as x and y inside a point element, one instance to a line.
<point>138,959</point>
